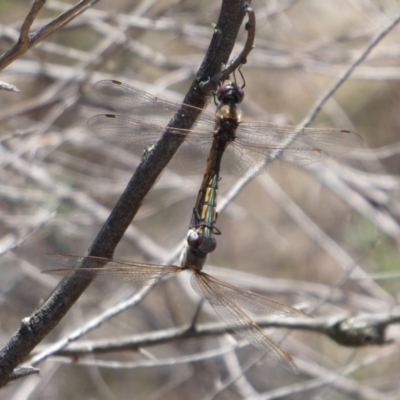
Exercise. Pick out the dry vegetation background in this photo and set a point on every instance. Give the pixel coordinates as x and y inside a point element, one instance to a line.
<point>326,234</point>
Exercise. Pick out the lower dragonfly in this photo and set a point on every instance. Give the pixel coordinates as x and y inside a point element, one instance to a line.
<point>228,301</point>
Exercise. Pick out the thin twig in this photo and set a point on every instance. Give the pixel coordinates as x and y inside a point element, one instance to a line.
<point>28,40</point>
<point>377,39</point>
<point>352,331</point>
<point>240,60</point>
<point>9,87</point>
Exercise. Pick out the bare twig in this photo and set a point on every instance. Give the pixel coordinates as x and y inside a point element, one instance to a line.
<point>364,54</point>
<point>319,236</point>
<point>9,87</point>
<point>240,60</point>
<point>352,331</point>
<point>17,241</point>
<point>93,324</point>
<point>27,40</point>
<point>23,372</point>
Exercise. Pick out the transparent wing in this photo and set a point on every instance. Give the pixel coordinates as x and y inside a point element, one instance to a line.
<point>144,121</point>
<point>227,301</point>
<point>136,135</point>
<point>258,144</point>
<point>134,102</point>
<point>130,272</point>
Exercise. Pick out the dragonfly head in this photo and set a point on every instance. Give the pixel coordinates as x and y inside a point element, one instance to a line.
<point>230,92</point>
<point>204,244</point>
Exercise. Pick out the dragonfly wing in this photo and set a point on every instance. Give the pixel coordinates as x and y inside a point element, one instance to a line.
<point>253,301</point>
<point>131,101</point>
<point>265,135</point>
<point>259,144</point>
<point>257,160</point>
<point>137,136</point>
<point>131,134</point>
<point>130,272</point>
<point>145,119</point>
<point>134,102</point>
<point>225,301</point>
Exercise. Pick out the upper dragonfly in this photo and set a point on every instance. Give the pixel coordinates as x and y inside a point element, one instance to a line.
<point>248,146</point>
<point>239,148</point>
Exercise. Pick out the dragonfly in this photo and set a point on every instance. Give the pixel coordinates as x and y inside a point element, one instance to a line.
<point>234,146</point>
<point>228,301</point>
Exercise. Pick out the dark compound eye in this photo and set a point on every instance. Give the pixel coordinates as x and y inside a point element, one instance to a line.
<point>230,91</point>
<point>208,245</point>
<point>223,90</point>
<point>198,242</point>
<point>193,240</point>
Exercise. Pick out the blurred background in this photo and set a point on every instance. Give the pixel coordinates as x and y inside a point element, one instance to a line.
<point>327,233</point>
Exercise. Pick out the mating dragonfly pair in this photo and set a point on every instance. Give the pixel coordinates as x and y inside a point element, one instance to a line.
<point>243,148</point>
